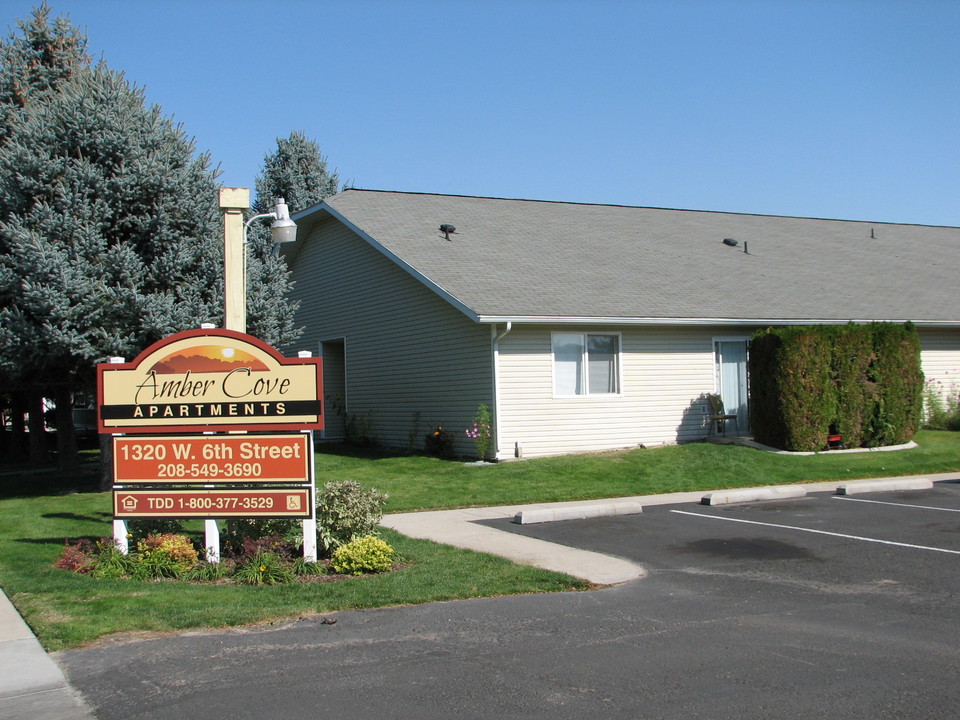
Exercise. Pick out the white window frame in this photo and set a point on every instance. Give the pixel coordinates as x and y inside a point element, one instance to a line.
<point>584,379</point>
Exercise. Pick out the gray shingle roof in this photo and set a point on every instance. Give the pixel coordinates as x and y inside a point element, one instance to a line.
<point>516,259</point>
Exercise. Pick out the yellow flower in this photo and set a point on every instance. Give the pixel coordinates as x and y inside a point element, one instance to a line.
<point>263,568</point>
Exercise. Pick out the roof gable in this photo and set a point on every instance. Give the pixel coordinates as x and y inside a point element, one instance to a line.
<point>523,259</point>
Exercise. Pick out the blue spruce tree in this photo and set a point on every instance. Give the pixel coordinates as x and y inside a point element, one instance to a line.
<point>297,172</point>
<point>110,231</point>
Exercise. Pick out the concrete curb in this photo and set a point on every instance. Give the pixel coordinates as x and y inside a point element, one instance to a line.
<point>892,485</point>
<point>747,442</point>
<point>576,512</point>
<point>462,528</point>
<point>776,492</point>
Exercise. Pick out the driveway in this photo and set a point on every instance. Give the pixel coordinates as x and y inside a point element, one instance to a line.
<point>817,607</point>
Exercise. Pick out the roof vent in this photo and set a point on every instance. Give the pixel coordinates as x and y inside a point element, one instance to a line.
<point>730,241</point>
<point>446,229</point>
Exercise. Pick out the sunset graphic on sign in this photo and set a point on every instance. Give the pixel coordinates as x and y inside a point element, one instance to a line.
<point>207,359</point>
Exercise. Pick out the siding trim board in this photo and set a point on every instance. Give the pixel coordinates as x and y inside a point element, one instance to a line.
<point>701,321</point>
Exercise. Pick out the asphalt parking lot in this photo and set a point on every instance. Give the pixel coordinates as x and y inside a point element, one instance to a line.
<point>904,543</point>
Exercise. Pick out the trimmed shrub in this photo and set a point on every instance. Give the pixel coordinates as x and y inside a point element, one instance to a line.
<point>78,557</point>
<point>792,400</point>
<point>862,382</point>
<point>363,555</point>
<point>853,356</point>
<point>164,556</point>
<point>766,417</point>
<point>899,382</point>
<point>809,405</point>
<point>345,511</point>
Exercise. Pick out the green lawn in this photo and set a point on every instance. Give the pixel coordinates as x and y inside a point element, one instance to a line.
<point>38,512</point>
<point>417,483</point>
<point>66,609</point>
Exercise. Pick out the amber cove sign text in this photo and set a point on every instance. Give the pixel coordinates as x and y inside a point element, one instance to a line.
<point>202,378</point>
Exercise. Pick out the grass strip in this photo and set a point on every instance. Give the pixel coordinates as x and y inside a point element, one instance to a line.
<point>421,483</point>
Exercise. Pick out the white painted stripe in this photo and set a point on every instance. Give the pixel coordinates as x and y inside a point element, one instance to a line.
<point>820,532</point>
<point>881,502</point>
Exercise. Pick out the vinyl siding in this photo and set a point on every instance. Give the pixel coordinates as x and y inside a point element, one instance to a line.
<point>407,351</point>
<point>665,375</point>
<point>940,355</point>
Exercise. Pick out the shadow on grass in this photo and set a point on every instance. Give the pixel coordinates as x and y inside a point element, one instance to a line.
<point>368,452</point>
<point>23,481</point>
<point>58,540</point>
<point>95,517</point>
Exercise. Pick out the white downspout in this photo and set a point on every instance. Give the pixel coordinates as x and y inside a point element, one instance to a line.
<point>496,381</point>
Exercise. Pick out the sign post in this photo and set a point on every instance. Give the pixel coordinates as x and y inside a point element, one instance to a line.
<point>188,407</point>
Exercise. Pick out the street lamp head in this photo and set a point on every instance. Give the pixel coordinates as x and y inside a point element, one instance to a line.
<point>283,229</point>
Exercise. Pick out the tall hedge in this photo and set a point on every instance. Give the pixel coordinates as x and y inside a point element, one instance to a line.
<point>852,356</point>
<point>898,404</point>
<point>792,402</point>
<point>861,381</point>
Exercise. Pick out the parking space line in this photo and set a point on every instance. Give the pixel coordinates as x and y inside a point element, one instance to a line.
<point>881,502</point>
<point>819,532</point>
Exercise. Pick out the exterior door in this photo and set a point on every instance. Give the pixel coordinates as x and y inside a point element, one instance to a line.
<point>731,359</point>
<point>334,389</point>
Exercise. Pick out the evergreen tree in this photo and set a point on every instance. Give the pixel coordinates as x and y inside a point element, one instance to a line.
<point>37,61</point>
<point>298,173</point>
<point>32,65</point>
<point>108,233</point>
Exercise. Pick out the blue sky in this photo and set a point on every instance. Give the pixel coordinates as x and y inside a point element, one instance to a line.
<point>842,108</point>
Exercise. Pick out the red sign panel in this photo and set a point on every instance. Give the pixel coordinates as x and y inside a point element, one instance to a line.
<point>292,503</point>
<point>212,459</point>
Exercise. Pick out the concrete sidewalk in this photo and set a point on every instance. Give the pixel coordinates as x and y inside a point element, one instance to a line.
<point>32,685</point>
